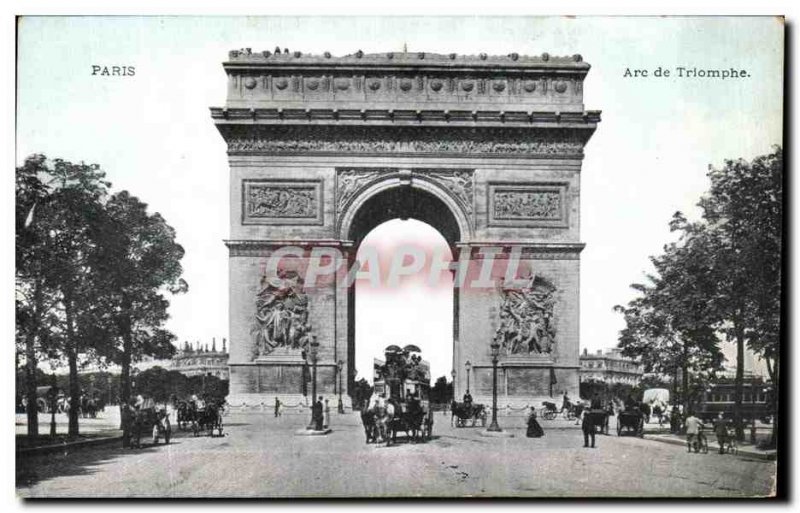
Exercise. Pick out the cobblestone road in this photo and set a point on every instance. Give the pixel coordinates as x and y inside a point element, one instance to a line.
<point>260,456</point>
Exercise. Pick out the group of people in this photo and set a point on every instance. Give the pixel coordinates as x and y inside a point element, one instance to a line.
<point>694,428</point>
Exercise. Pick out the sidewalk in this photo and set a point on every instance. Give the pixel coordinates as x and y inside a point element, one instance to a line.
<point>743,449</point>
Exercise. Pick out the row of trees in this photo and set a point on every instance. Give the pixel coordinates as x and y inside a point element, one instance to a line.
<point>93,270</point>
<point>721,279</point>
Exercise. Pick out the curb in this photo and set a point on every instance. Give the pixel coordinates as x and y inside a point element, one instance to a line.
<point>46,449</point>
<point>714,447</point>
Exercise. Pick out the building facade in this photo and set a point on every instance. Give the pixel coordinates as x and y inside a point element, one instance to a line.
<point>610,367</point>
<point>202,360</point>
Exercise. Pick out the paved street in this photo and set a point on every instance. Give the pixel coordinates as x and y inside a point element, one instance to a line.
<point>260,456</point>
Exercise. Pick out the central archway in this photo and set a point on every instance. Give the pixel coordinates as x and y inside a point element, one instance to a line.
<point>417,310</point>
<point>392,198</point>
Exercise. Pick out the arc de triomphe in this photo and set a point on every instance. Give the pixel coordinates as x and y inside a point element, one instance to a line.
<point>486,149</point>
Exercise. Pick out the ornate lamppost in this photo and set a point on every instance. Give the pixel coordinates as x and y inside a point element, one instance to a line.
<point>339,366</point>
<point>312,354</point>
<point>468,367</point>
<point>495,346</point>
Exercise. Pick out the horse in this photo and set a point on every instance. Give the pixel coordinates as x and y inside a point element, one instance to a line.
<point>368,420</point>
<point>409,421</point>
<point>186,414</point>
<point>462,412</point>
<point>148,420</point>
<point>658,411</point>
<point>377,420</point>
<point>646,411</point>
<point>209,418</point>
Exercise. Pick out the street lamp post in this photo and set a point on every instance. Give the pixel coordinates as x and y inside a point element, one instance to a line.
<point>468,367</point>
<point>312,353</point>
<point>339,366</point>
<point>494,427</point>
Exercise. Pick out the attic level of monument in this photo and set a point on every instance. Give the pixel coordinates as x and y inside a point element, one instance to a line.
<point>468,88</point>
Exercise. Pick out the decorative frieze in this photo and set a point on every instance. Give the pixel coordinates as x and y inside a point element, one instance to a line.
<point>528,204</point>
<point>394,140</point>
<point>281,202</point>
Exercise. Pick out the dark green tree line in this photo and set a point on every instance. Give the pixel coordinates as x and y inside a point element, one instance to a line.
<point>92,274</point>
<point>721,279</point>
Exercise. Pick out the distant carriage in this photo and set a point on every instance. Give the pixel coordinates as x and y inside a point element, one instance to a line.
<point>630,421</point>
<point>208,418</point>
<point>463,414</point>
<point>149,421</point>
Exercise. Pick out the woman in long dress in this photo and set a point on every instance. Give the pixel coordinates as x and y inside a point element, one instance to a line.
<point>534,429</point>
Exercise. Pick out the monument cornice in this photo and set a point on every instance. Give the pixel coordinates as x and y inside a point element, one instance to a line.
<point>563,141</point>
<point>406,117</point>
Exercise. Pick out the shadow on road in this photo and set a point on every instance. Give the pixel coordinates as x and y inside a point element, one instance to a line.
<point>31,470</point>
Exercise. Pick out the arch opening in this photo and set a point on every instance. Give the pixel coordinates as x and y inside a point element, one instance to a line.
<point>422,308</point>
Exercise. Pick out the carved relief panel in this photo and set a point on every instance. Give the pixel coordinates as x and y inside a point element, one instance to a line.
<point>282,202</point>
<point>526,323</point>
<point>531,205</point>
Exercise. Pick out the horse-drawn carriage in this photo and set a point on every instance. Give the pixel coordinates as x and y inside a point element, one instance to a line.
<point>149,420</point>
<point>400,398</point>
<point>631,421</point>
<point>205,417</point>
<point>463,414</point>
<point>383,420</point>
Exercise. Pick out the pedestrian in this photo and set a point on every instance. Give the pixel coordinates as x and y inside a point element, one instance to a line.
<point>534,429</point>
<point>327,415</point>
<point>277,407</point>
<point>340,406</point>
<point>721,431</point>
<point>693,427</point>
<point>317,416</point>
<point>587,426</point>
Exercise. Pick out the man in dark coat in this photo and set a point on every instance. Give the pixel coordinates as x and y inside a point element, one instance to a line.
<point>317,414</point>
<point>597,403</point>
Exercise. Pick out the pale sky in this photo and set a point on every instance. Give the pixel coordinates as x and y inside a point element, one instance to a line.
<point>153,135</point>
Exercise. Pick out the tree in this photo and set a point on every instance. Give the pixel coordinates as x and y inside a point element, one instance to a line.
<point>743,214</point>
<point>139,264</point>
<point>671,325</point>
<point>58,207</point>
<point>442,391</point>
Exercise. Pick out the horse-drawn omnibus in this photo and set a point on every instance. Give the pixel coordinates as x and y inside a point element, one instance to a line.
<point>403,379</point>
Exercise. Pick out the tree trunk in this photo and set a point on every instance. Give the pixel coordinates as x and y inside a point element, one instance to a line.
<point>773,375</point>
<point>32,409</point>
<point>685,377</point>
<point>125,384</point>
<point>72,360</point>
<point>737,405</point>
